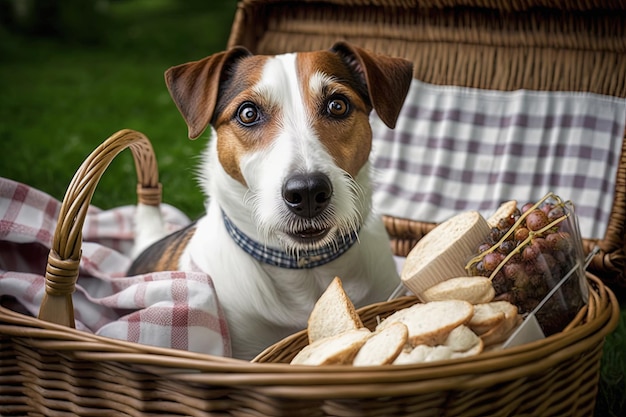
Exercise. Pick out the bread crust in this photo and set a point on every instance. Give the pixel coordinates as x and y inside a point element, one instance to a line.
<point>334,350</point>
<point>475,290</point>
<point>430,323</point>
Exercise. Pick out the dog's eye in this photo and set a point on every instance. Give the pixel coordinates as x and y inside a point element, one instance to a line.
<point>337,107</point>
<point>248,114</point>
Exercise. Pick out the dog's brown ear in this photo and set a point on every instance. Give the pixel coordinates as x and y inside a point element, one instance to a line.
<point>387,78</point>
<point>194,86</point>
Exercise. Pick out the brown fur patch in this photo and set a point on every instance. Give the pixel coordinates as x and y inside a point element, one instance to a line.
<point>235,140</point>
<point>347,139</point>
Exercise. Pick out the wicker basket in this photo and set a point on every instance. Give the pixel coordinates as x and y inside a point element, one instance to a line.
<point>48,368</point>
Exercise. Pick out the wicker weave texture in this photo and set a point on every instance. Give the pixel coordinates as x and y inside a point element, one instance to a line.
<point>481,47</point>
<point>48,369</point>
<point>511,5</point>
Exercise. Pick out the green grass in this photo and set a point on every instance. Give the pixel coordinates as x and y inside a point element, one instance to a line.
<point>611,399</point>
<point>60,98</point>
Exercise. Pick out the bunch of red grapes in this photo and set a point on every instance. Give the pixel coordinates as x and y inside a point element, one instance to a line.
<point>526,255</point>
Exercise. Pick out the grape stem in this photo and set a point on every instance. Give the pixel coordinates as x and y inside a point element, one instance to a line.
<point>519,247</point>
<point>519,221</point>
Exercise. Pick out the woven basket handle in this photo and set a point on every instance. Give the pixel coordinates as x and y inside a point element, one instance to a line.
<point>65,253</point>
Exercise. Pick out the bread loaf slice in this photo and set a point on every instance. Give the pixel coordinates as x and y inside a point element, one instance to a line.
<point>383,347</point>
<point>502,330</point>
<point>442,253</point>
<point>490,315</point>
<point>464,342</point>
<point>475,290</point>
<point>333,314</point>
<point>475,350</point>
<point>430,323</point>
<point>463,339</point>
<point>423,354</point>
<point>334,350</point>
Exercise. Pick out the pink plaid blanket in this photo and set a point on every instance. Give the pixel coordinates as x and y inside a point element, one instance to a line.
<point>168,309</point>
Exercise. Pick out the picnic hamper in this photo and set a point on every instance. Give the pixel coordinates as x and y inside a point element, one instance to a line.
<point>48,368</point>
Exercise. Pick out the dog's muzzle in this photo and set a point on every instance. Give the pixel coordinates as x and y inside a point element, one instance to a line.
<point>307,196</point>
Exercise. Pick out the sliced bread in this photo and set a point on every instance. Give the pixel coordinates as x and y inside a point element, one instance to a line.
<point>475,290</point>
<point>430,323</point>
<point>334,350</point>
<point>383,346</point>
<point>502,331</point>
<point>473,351</point>
<point>463,339</point>
<point>332,314</point>
<point>423,354</point>
<point>441,254</point>
<point>489,315</point>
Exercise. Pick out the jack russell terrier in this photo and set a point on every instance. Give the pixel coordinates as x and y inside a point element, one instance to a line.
<point>288,181</point>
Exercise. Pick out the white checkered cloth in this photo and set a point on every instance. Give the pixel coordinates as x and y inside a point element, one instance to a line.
<point>457,149</point>
<point>176,310</point>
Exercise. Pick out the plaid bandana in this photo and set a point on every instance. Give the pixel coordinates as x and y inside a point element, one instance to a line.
<point>282,259</point>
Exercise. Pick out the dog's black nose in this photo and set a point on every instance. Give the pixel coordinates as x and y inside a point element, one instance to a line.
<point>307,195</point>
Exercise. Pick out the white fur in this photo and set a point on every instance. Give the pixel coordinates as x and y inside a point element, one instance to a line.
<point>264,303</point>
<point>149,227</point>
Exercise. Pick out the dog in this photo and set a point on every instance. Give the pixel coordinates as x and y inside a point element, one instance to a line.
<point>287,175</point>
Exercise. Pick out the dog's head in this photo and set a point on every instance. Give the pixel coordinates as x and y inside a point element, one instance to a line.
<point>293,130</point>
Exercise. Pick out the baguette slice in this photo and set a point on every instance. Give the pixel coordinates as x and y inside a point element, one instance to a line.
<point>430,323</point>
<point>334,350</point>
<point>502,331</point>
<point>441,254</point>
<point>332,314</point>
<point>475,350</point>
<point>383,347</point>
<point>489,315</point>
<point>494,321</point>
<point>463,339</point>
<point>423,354</point>
<point>475,290</point>
<point>464,342</point>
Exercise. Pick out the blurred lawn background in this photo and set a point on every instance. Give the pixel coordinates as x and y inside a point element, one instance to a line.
<point>73,72</point>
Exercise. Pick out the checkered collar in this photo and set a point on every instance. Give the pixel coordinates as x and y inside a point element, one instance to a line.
<point>282,259</point>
